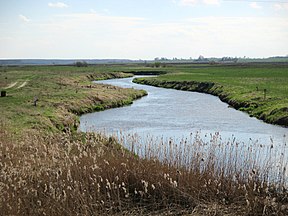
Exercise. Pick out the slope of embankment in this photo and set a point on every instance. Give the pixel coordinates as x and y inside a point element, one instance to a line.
<point>260,91</point>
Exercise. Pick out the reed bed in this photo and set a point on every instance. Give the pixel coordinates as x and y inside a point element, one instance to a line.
<point>88,174</point>
<point>209,151</point>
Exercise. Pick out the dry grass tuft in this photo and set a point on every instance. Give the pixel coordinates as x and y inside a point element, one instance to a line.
<point>86,174</point>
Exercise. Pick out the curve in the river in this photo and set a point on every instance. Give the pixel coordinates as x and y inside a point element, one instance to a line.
<point>172,124</point>
<point>168,112</point>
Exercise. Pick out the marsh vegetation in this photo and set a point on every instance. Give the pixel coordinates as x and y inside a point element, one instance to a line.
<point>48,168</point>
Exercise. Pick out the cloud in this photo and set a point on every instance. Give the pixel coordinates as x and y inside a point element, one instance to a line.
<point>281,6</point>
<point>95,18</point>
<point>23,18</point>
<point>196,2</point>
<point>218,36</point>
<point>103,11</point>
<point>211,2</point>
<point>57,5</point>
<point>188,2</point>
<point>255,5</point>
<point>92,35</point>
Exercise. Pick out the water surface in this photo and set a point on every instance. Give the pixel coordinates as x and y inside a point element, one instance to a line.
<point>180,126</point>
<point>177,114</point>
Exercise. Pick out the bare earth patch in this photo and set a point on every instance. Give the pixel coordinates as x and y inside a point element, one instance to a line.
<point>22,85</point>
<point>11,85</point>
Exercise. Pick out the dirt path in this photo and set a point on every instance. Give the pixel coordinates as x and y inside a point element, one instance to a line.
<point>11,85</point>
<point>22,85</point>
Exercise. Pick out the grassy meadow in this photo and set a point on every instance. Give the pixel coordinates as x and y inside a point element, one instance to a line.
<point>62,93</point>
<point>48,168</point>
<point>258,89</point>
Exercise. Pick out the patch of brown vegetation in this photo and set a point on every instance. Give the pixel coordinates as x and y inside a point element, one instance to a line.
<point>86,174</point>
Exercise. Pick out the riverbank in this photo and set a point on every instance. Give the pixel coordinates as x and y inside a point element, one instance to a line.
<point>48,168</point>
<point>257,90</point>
<point>53,97</point>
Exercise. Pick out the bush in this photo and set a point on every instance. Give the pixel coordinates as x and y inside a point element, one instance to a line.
<point>81,64</point>
<point>157,64</point>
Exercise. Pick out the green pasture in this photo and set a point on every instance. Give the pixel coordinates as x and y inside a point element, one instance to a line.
<point>263,88</point>
<point>62,92</point>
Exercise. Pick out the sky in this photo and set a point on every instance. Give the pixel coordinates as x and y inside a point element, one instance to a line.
<point>138,29</point>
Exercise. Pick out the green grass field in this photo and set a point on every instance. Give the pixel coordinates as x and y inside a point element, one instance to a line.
<point>47,167</point>
<point>62,92</point>
<point>259,89</point>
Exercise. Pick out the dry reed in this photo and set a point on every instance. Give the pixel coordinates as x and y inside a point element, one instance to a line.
<point>88,174</point>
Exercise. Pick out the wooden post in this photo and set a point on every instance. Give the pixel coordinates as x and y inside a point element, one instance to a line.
<point>3,93</point>
<point>35,101</point>
<point>265,92</point>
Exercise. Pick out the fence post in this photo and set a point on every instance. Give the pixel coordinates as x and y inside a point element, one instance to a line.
<point>3,93</point>
<point>35,101</point>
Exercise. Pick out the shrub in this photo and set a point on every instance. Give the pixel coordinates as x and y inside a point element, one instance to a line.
<point>81,64</point>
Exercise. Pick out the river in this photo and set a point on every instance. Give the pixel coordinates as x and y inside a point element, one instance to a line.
<point>183,117</point>
<point>174,113</point>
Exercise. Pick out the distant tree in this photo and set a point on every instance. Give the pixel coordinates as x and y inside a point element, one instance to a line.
<point>164,59</point>
<point>157,64</point>
<point>81,64</point>
<point>229,59</point>
<point>201,58</point>
<point>212,62</point>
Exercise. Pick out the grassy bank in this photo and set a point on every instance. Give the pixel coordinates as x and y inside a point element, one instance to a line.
<point>48,168</point>
<point>62,93</point>
<point>260,90</point>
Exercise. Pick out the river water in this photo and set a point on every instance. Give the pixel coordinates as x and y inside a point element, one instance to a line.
<point>167,114</point>
<point>177,114</point>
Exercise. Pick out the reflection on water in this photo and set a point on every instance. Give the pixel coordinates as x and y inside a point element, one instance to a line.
<point>167,114</point>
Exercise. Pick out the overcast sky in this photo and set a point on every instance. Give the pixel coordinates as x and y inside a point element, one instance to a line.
<point>142,29</point>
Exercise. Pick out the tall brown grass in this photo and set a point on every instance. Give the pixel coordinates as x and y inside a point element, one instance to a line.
<point>88,174</point>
